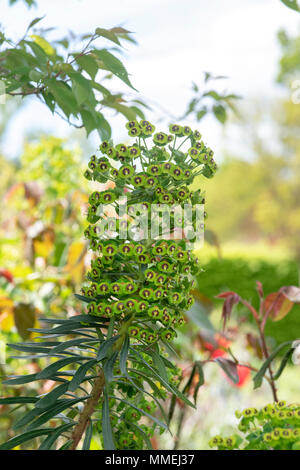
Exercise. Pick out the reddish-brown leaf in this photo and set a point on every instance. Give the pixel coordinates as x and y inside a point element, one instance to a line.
<point>278,305</point>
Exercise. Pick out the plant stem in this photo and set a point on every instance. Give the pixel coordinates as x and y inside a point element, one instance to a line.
<point>261,325</point>
<point>266,354</point>
<point>88,410</point>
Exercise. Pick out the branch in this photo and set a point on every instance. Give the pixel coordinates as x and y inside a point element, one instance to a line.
<point>88,410</point>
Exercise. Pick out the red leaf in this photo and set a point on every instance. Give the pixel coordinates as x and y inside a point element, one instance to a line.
<point>259,289</point>
<point>278,305</point>
<point>224,295</point>
<point>231,298</point>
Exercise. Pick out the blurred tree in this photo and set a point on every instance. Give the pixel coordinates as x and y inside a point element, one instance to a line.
<point>65,73</point>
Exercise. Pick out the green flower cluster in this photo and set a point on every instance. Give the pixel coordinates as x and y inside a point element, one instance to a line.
<point>275,426</point>
<point>146,283</point>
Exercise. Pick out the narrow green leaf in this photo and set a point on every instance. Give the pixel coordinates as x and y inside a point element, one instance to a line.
<point>52,396</point>
<point>108,368</point>
<point>50,370</point>
<point>88,437</point>
<point>54,410</point>
<point>20,380</point>
<point>104,347</point>
<point>258,378</point>
<point>71,343</point>
<point>168,386</point>
<point>124,354</point>
<point>50,440</point>
<point>80,374</point>
<point>17,400</point>
<point>201,380</point>
<point>27,436</point>
<point>106,425</point>
<point>29,348</point>
<point>159,363</point>
<point>283,363</point>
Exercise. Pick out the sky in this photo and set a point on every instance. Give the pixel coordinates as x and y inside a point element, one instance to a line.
<point>177,42</point>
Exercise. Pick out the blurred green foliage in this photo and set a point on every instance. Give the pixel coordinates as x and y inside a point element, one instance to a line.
<point>239,274</point>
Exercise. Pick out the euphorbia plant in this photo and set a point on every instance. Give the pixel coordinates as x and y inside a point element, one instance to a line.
<point>136,293</point>
<point>274,427</point>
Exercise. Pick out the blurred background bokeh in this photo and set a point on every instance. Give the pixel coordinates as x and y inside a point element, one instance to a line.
<point>229,69</point>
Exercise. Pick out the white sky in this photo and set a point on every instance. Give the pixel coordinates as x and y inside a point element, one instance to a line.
<point>177,42</point>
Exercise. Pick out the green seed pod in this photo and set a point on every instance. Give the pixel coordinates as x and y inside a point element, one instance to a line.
<point>122,150</point>
<point>286,433</point>
<point>88,175</point>
<point>194,153</point>
<point>139,249</point>
<point>103,288</point>
<point>160,279</point>
<point>134,131</point>
<point>230,441</point>
<point>143,335</point>
<point>129,287</point>
<point>154,170</point>
<point>268,437</point>
<point>134,151</point>
<point>138,180</point>
<point>118,307</point>
<point>158,294</point>
<point>176,129</point>
<point>148,130</point>
<point>131,304</point>
<point>154,312</point>
<point>141,306</point>
<point>126,249</point>
<point>150,182</point>
<point>104,146</point>
<point>167,335</point>
<point>160,138</point>
<point>175,298</point>
<point>108,197</point>
<point>159,250</point>
<point>92,165</point>
<point>281,404</point>
<point>151,338</point>
<point>146,293</point>
<point>110,249</point>
<point>126,171</point>
<point>116,288</point>
<point>133,331</point>
<point>150,275</point>
<point>92,308</point>
<point>197,135</point>
<point>248,412</point>
<point>177,173</point>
